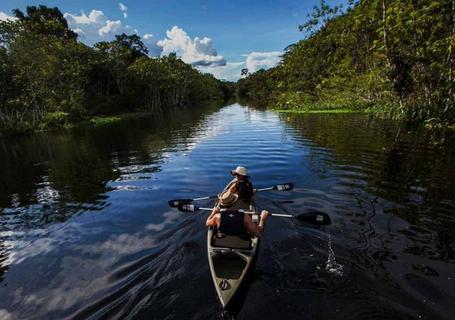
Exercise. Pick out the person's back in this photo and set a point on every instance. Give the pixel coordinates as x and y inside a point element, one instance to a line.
<point>234,222</point>
<point>245,190</point>
<point>242,186</point>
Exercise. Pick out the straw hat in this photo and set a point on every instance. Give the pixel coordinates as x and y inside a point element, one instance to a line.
<point>227,198</point>
<point>240,171</point>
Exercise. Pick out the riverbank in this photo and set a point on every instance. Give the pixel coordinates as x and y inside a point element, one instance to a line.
<point>99,120</point>
<point>62,123</point>
<point>404,72</point>
<point>320,111</point>
<point>106,120</point>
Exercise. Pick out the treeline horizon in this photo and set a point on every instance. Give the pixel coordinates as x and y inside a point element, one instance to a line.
<point>50,79</point>
<point>392,57</point>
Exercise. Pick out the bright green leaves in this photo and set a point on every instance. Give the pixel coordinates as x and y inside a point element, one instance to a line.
<point>379,52</point>
<point>48,79</point>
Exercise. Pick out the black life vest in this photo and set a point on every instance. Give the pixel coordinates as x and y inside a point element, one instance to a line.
<point>245,190</point>
<point>231,223</point>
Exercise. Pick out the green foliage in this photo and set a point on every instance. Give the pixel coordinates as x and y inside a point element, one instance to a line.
<point>45,21</point>
<point>99,121</point>
<point>55,119</point>
<point>386,56</point>
<point>49,79</point>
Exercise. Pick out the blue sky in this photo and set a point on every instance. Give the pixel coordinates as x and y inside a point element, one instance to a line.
<point>220,37</point>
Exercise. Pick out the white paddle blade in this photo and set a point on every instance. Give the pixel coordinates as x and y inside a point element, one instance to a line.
<point>285,186</point>
<point>187,208</point>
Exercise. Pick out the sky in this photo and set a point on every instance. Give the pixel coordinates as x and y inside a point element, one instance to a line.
<point>219,37</point>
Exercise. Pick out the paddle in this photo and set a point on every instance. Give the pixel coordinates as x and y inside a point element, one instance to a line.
<point>311,216</point>
<point>279,187</point>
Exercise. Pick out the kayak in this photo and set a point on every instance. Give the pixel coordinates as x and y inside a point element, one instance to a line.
<point>230,259</point>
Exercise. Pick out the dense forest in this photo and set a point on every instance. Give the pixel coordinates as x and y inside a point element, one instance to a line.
<point>50,79</point>
<point>392,57</point>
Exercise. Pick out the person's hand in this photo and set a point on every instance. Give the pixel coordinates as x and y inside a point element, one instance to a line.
<point>264,214</point>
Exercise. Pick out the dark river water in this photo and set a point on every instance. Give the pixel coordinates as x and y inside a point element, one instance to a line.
<point>86,233</point>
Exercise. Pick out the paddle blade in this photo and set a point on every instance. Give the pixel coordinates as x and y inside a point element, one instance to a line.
<point>284,186</point>
<point>188,207</point>
<point>176,202</point>
<point>315,217</point>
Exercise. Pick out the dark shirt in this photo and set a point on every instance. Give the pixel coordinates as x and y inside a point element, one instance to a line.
<point>231,223</point>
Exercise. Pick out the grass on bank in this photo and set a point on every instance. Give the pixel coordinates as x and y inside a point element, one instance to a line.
<point>320,111</point>
<point>335,102</point>
<point>106,120</point>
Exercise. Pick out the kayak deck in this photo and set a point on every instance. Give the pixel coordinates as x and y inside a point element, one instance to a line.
<point>230,258</point>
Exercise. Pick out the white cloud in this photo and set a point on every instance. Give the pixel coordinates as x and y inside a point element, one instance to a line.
<point>110,27</point>
<point>96,26</point>
<point>254,61</point>
<point>4,314</point>
<point>124,9</point>
<point>231,71</point>
<point>262,60</point>
<point>150,42</point>
<point>4,17</point>
<point>197,51</point>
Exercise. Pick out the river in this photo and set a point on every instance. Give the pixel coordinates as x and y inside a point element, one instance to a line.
<point>86,232</point>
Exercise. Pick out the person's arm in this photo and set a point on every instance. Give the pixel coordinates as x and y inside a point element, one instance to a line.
<point>256,229</point>
<point>211,220</point>
<point>229,185</point>
<point>233,188</point>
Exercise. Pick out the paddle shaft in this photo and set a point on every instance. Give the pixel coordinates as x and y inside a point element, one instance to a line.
<point>253,212</point>
<point>264,189</point>
<point>279,187</point>
<point>257,190</point>
<point>313,216</point>
<point>205,198</point>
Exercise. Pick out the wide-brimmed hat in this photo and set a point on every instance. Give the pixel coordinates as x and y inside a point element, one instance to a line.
<point>241,171</point>
<point>227,198</point>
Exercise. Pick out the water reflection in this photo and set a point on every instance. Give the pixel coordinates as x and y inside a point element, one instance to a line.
<point>405,168</point>
<point>52,176</point>
<point>396,206</point>
<point>86,231</point>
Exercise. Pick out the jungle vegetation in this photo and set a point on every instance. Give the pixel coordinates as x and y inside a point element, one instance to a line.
<point>392,57</point>
<point>50,79</point>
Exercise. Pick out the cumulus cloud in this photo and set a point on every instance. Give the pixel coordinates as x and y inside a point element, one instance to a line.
<point>197,51</point>
<point>110,27</point>
<point>4,17</point>
<point>96,26</point>
<point>254,61</point>
<point>262,60</point>
<point>150,42</point>
<point>230,72</point>
<point>124,9</point>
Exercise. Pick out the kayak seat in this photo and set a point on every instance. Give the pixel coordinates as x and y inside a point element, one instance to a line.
<point>234,242</point>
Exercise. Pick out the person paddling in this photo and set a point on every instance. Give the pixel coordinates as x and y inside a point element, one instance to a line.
<point>241,186</point>
<point>234,222</point>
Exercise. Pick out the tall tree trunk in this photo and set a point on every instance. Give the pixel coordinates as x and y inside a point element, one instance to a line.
<point>384,29</point>
<point>450,58</point>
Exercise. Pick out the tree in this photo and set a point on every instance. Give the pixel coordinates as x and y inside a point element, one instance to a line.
<point>48,78</point>
<point>379,52</point>
<point>45,21</point>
